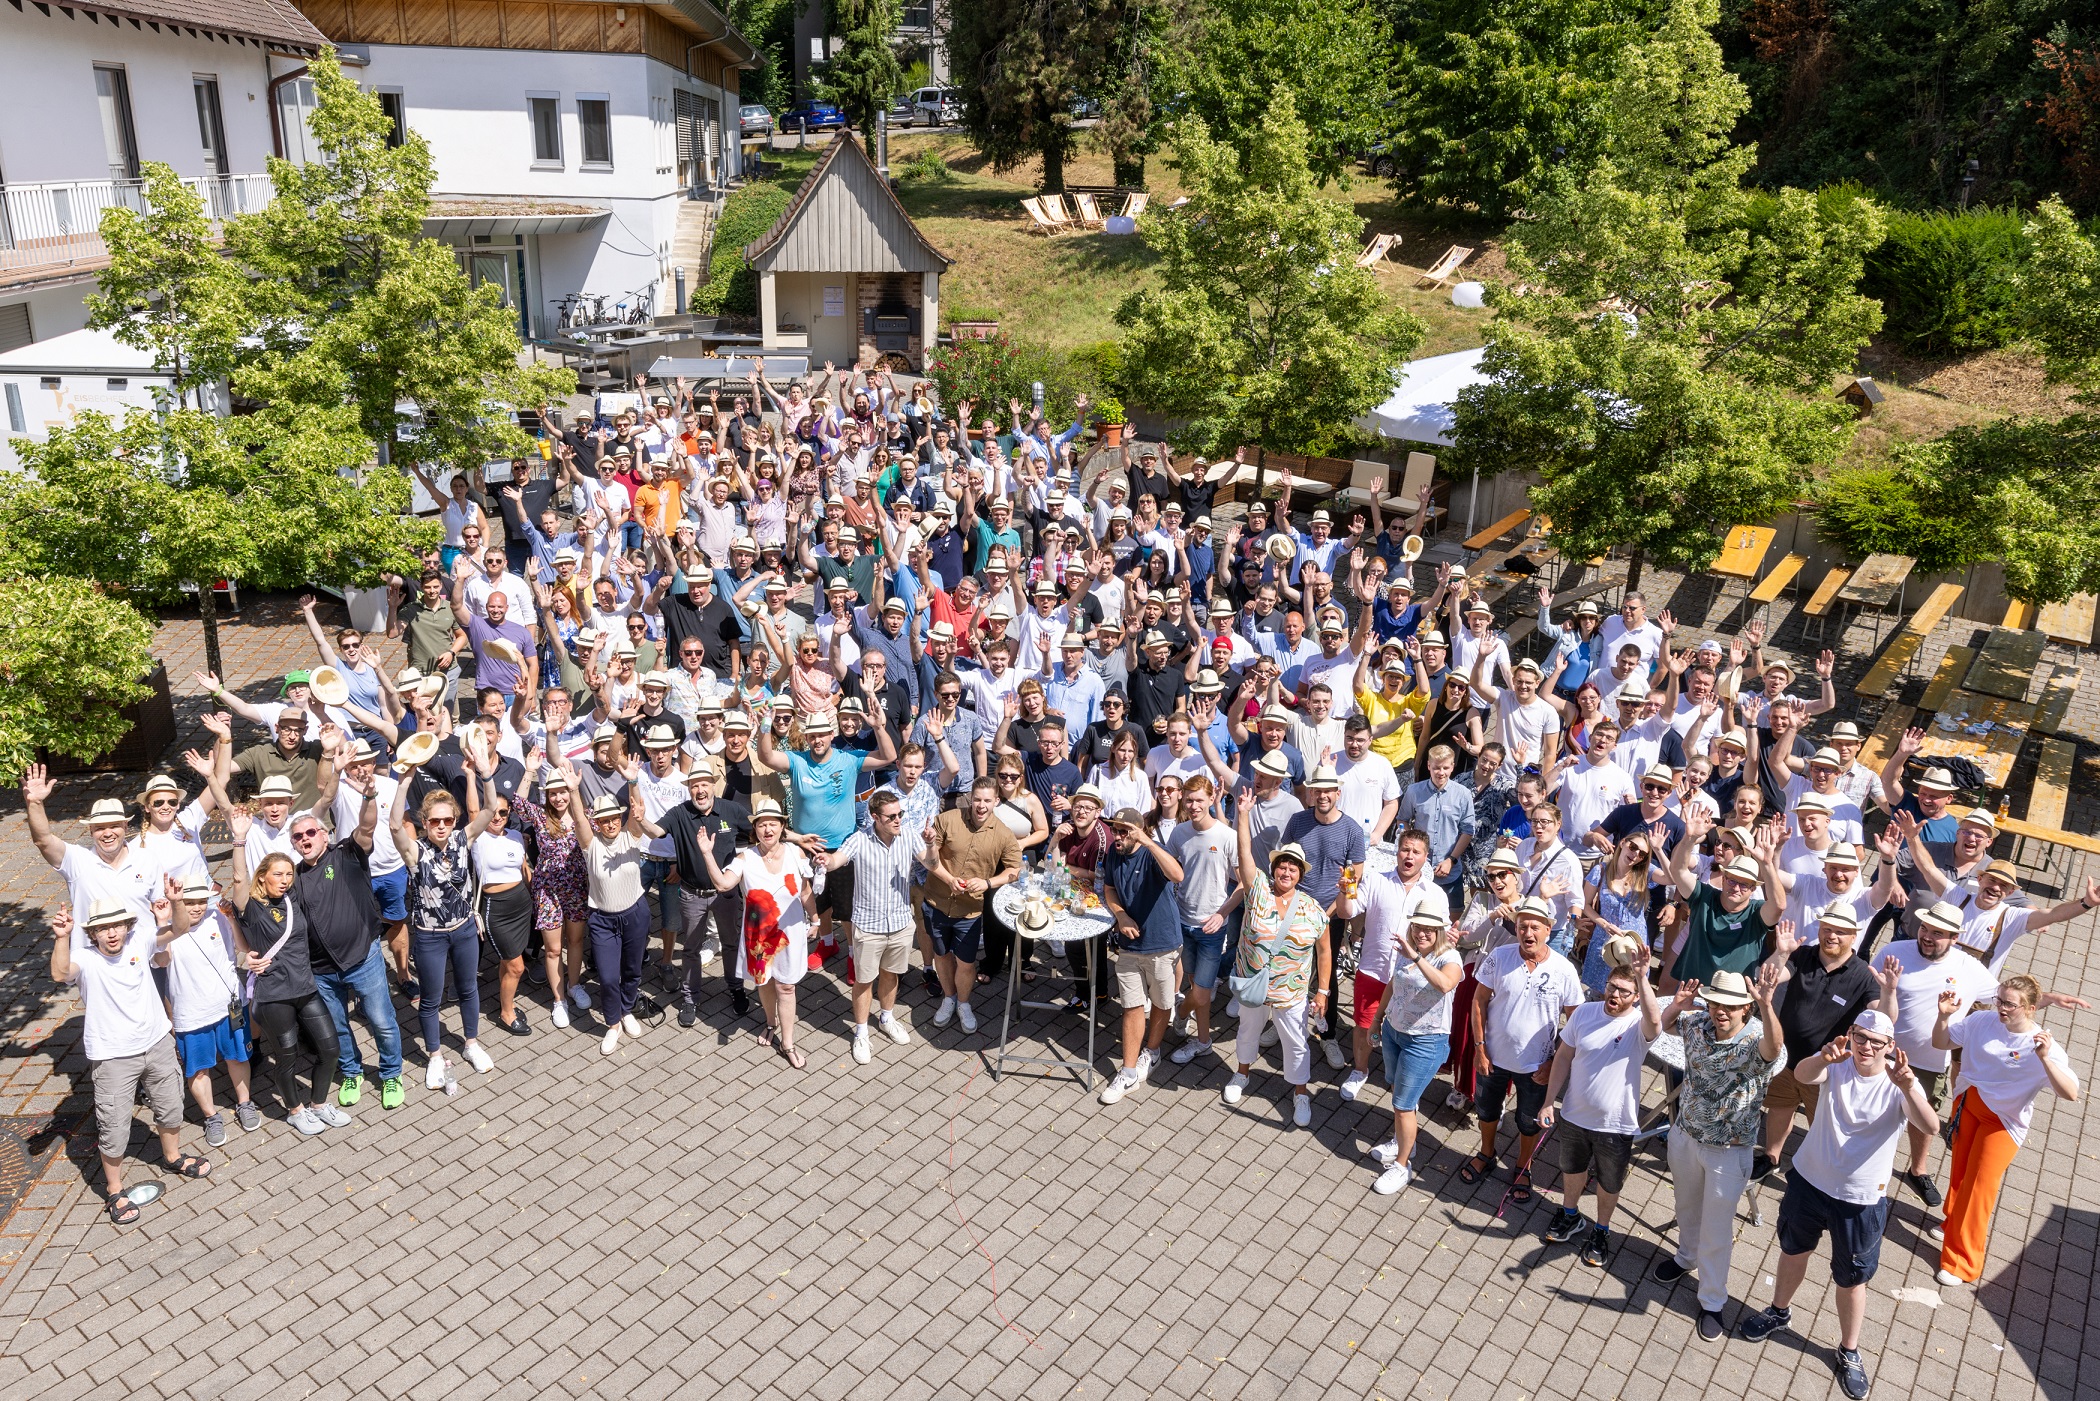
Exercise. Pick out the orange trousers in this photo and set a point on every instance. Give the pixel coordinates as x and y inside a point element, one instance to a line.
<point>1983,1150</point>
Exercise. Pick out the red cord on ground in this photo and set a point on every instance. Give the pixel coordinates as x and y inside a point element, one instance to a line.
<point>964,1221</point>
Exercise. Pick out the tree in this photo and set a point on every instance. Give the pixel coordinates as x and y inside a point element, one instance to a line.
<point>71,658</point>
<point>1334,57</point>
<point>1666,367</point>
<point>1262,332</point>
<point>350,300</point>
<point>1491,95</point>
<point>863,74</point>
<point>1021,65</point>
<point>168,289</point>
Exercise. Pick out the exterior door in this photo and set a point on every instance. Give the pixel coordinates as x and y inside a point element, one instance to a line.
<point>120,142</point>
<point>210,125</point>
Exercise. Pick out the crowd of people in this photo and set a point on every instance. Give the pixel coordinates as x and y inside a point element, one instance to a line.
<point>796,684</point>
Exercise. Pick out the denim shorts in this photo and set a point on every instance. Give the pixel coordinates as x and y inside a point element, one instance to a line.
<point>391,892</point>
<point>1807,1211</point>
<point>961,938</point>
<point>1411,1062</point>
<point>1203,954</point>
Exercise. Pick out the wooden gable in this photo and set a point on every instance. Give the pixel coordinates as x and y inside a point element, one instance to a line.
<point>845,218</point>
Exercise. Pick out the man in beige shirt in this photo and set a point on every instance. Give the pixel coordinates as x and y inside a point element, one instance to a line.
<point>973,854</point>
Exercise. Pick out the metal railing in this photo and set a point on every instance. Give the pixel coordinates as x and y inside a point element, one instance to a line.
<point>58,223</point>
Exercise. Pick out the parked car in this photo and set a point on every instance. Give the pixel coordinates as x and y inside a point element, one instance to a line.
<point>1378,160</point>
<point>755,120</point>
<point>812,115</point>
<point>936,107</point>
<point>1085,109</point>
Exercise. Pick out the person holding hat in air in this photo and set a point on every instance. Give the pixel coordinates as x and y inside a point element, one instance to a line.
<point>1839,1184</point>
<point>1285,950</point>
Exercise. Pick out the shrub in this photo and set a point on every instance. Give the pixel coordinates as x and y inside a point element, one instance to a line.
<point>1893,508</point>
<point>989,373</point>
<point>1100,365</point>
<point>1946,280</point>
<point>926,168</point>
<point>732,288</point>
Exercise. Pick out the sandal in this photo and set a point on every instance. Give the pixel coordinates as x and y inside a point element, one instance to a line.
<point>122,1210</point>
<point>191,1166</point>
<point>791,1055</point>
<point>1520,1186</point>
<point>1475,1169</point>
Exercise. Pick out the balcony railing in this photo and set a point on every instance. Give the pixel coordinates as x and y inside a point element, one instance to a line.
<point>49,226</point>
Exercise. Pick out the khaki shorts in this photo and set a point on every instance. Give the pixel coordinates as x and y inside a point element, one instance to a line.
<point>1785,1092</point>
<point>1935,1083</point>
<point>1147,979</point>
<point>888,953</point>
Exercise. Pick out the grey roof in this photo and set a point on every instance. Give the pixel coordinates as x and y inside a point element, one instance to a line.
<point>273,20</point>
<point>845,218</point>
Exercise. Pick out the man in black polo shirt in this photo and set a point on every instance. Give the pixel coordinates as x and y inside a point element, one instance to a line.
<point>1826,987</point>
<point>713,919</point>
<point>334,890</point>
<point>1156,689</point>
<point>694,611</point>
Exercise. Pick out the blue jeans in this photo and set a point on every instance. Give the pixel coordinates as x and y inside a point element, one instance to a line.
<point>1411,1062</point>
<point>619,940</point>
<point>655,876</point>
<point>434,950</point>
<point>367,983</point>
<point>1203,954</point>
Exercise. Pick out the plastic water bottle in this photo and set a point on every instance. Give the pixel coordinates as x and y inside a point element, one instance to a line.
<point>451,1085</point>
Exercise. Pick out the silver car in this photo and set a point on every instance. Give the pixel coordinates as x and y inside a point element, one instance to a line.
<point>755,120</point>
<point>936,107</point>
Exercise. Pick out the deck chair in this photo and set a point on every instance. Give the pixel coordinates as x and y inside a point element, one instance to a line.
<point>1377,249</point>
<point>1135,205</point>
<point>1440,272</point>
<point>1056,208</point>
<point>1044,224</point>
<point>1088,213</point>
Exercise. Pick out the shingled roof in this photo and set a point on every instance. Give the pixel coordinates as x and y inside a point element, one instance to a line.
<point>273,22</point>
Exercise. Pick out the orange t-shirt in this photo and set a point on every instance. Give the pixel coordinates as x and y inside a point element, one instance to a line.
<point>655,498</point>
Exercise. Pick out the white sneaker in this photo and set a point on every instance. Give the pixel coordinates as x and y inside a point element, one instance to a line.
<point>1950,1279</point>
<point>1125,1081</point>
<point>306,1121</point>
<point>1457,1101</point>
<point>1268,1036</point>
<point>1385,1152</point>
<point>1301,1111</point>
<point>1148,1060</point>
<point>710,951</point>
<point>861,1050</point>
<point>1234,1088</point>
<point>1232,1007</point>
<point>1188,1025</point>
<point>581,997</point>
<point>629,1025</point>
<point>611,1042</point>
<point>1354,1085</point>
<point>1332,1049</point>
<point>945,1013</point>
<point>1188,1051</point>
<point>561,1011</point>
<point>1393,1179</point>
<point>434,1075</point>
<point>894,1028</point>
<point>966,1016</point>
<point>479,1058</point>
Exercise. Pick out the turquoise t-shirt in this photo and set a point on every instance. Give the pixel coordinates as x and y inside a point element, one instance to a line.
<point>824,792</point>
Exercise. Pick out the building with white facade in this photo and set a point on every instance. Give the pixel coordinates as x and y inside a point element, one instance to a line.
<point>579,146</point>
<point>88,93</point>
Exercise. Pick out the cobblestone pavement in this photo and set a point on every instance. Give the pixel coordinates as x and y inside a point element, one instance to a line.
<point>690,1216</point>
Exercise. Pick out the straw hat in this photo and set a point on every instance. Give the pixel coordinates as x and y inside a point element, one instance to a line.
<point>1411,549</point>
<point>1625,951</point>
<point>328,686</point>
<point>1282,548</point>
<point>498,647</point>
<point>416,749</point>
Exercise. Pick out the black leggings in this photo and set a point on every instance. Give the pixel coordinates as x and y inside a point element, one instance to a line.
<point>279,1028</point>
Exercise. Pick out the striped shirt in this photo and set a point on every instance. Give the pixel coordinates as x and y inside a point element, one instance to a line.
<point>882,879</point>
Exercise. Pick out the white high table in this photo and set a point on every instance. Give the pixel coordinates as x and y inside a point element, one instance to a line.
<point>1072,926</point>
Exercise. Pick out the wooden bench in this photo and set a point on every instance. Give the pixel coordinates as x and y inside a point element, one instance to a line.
<point>1947,679</point>
<point>1896,658</point>
<point>1875,750</point>
<point>2055,706</point>
<point>2051,794</point>
<point>2069,622</point>
<point>1515,520</point>
<point>1773,584</point>
<point>1819,602</point>
<point>2019,615</point>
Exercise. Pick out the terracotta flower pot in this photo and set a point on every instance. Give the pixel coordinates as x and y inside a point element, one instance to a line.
<point>1111,435</point>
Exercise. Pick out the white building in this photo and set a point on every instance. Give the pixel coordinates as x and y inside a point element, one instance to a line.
<point>580,146</point>
<point>90,92</point>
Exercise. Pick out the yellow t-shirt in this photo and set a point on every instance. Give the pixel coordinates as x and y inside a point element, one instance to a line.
<point>1398,747</point>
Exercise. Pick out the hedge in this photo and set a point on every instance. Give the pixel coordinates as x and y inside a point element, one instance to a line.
<point>732,288</point>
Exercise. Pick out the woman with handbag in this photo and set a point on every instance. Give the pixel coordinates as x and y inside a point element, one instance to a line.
<point>285,1006</point>
<point>442,932</point>
<point>1283,946</point>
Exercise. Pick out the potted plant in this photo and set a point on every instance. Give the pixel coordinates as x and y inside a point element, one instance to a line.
<point>1110,409</point>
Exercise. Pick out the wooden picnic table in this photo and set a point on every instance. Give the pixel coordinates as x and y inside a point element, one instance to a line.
<point>2005,666</point>
<point>1500,528</point>
<point>1992,752</point>
<point>1878,580</point>
<point>2069,622</point>
<point>1743,552</point>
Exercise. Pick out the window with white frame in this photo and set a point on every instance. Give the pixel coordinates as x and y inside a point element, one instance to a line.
<point>545,110</point>
<point>594,129</point>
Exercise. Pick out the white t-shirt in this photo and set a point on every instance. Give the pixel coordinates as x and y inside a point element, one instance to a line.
<point>1417,1008</point>
<point>123,1012</point>
<point>1527,1006</point>
<point>2002,1067</point>
<point>201,977</point>
<point>499,858</point>
<point>1648,637</point>
<point>1811,895</point>
<point>1846,820</point>
<point>1640,746</point>
<point>264,839</point>
<point>179,851</point>
<point>1524,729</point>
<point>1918,991</point>
<point>89,878</point>
<point>1368,784</point>
<point>1589,794</point>
<point>1797,858</point>
<point>1851,1147</point>
<point>659,796</point>
<point>349,810</point>
<point>1158,761</point>
<point>1995,930</point>
<point>1336,672</point>
<point>1388,906</point>
<point>1604,1081</point>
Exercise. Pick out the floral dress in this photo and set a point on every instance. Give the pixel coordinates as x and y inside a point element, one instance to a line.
<point>776,917</point>
<point>1283,939</point>
<point>560,881</point>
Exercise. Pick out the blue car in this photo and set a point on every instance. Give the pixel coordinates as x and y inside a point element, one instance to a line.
<point>811,115</point>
